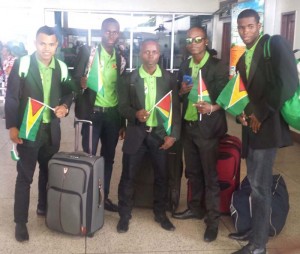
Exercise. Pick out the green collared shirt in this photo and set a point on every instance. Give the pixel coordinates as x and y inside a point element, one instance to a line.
<point>46,77</point>
<point>249,55</point>
<point>108,69</point>
<point>191,113</point>
<point>150,92</point>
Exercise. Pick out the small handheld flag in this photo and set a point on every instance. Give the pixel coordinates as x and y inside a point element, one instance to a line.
<point>234,97</point>
<point>164,107</point>
<point>32,118</point>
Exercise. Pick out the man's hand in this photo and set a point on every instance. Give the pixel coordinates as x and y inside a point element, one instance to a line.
<point>142,115</point>
<point>122,133</point>
<point>254,123</point>
<point>185,88</point>
<point>204,107</point>
<point>169,141</point>
<point>14,135</point>
<point>242,118</point>
<point>83,81</point>
<point>61,111</point>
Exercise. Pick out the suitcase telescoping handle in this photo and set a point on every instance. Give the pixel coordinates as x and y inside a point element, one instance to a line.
<point>77,125</point>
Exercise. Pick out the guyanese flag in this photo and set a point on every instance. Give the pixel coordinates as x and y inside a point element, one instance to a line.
<point>199,91</point>
<point>234,97</point>
<point>203,94</point>
<point>95,74</point>
<point>164,107</point>
<point>31,120</point>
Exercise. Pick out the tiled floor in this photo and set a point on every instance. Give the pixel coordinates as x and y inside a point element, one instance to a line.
<point>144,235</point>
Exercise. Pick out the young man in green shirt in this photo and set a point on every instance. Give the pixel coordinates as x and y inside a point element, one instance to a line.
<point>43,82</point>
<point>101,106</point>
<point>139,93</point>
<point>263,128</point>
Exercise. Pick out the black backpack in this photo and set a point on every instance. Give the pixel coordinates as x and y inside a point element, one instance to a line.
<point>241,206</point>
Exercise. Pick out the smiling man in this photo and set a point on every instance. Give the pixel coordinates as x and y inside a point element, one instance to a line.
<point>43,82</point>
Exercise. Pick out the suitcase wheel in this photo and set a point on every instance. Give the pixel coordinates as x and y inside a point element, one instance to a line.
<point>90,235</point>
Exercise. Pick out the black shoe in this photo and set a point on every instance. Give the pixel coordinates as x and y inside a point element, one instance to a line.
<point>21,232</point>
<point>250,249</point>
<point>242,236</point>
<point>210,234</point>
<point>188,214</point>
<point>122,226</point>
<point>164,222</point>
<point>40,212</point>
<point>110,206</point>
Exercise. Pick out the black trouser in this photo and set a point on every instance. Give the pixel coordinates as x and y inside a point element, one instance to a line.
<point>131,163</point>
<point>106,127</point>
<point>201,159</point>
<point>30,153</point>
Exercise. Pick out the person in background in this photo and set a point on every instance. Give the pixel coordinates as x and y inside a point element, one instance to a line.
<point>138,94</point>
<point>101,107</point>
<point>42,83</point>
<point>7,60</point>
<point>204,123</point>
<point>263,128</point>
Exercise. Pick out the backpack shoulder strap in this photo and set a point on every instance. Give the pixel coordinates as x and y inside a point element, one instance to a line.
<point>267,51</point>
<point>24,66</point>
<point>64,70</point>
<point>267,58</point>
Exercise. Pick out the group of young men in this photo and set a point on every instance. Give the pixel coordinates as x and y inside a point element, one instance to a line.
<point>199,124</point>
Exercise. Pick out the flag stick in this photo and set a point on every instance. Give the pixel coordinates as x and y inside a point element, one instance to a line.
<point>159,101</point>
<point>200,84</point>
<point>43,104</point>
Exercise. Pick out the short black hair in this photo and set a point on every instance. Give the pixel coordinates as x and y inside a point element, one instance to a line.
<point>108,21</point>
<point>248,13</point>
<point>200,28</point>
<point>149,40</point>
<point>46,30</point>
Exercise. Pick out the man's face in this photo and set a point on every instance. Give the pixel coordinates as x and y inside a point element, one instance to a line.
<point>46,46</point>
<point>110,34</point>
<point>150,53</point>
<point>248,29</point>
<point>196,41</point>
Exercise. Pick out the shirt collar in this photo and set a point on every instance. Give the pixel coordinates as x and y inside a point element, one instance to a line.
<point>254,46</point>
<point>202,62</point>
<point>145,74</point>
<point>43,66</point>
<point>106,54</point>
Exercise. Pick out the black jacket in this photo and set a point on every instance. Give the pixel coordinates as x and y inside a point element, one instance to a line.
<point>132,98</point>
<point>215,76</point>
<point>85,100</point>
<point>19,89</point>
<point>266,99</point>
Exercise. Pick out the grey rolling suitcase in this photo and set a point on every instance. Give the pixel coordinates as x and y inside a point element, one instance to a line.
<point>75,201</point>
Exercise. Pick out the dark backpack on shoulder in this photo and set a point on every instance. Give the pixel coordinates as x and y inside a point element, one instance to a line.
<point>241,210</point>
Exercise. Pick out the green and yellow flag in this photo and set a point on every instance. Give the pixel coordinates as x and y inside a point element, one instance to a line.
<point>164,107</point>
<point>199,91</point>
<point>234,97</point>
<point>31,120</point>
<point>95,77</point>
